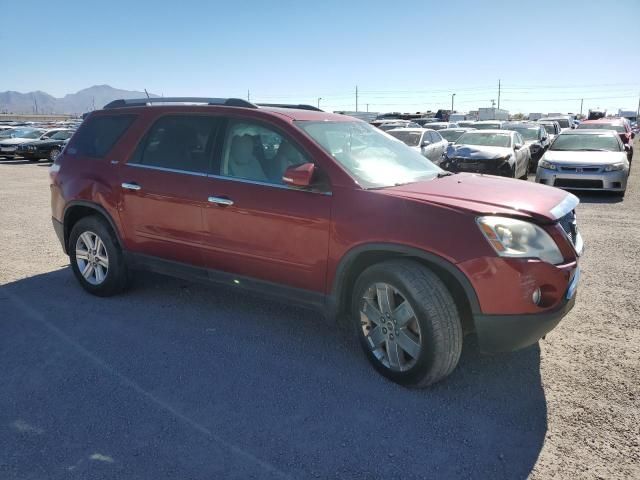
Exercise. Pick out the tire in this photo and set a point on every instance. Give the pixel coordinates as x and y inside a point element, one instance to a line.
<point>434,326</point>
<point>115,277</point>
<point>53,154</point>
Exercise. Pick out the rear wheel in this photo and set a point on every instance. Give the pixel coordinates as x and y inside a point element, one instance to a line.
<point>407,323</point>
<point>96,258</point>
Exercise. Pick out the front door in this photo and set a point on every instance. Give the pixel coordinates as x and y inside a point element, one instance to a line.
<point>258,227</point>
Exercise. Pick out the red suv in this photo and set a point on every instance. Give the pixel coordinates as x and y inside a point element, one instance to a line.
<point>323,210</point>
<point>621,126</point>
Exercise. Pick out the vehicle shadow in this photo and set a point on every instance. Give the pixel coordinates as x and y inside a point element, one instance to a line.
<point>187,380</point>
<point>597,197</point>
<point>14,161</point>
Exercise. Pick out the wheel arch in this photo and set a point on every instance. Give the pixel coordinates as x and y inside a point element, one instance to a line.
<point>79,209</point>
<point>356,260</point>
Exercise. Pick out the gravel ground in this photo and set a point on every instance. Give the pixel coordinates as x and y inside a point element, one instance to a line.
<point>179,380</point>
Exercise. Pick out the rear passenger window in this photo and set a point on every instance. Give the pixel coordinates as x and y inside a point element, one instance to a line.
<point>179,142</point>
<point>98,135</point>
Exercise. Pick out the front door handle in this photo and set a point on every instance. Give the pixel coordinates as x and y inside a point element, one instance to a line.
<point>131,186</point>
<point>223,202</point>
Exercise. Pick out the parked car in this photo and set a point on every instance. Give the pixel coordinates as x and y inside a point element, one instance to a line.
<point>496,152</point>
<point>16,137</point>
<point>586,160</point>
<point>552,128</point>
<point>620,126</point>
<point>397,124</point>
<point>424,121</point>
<point>47,148</point>
<point>488,125</point>
<point>534,136</point>
<point>429,143</point>
<point>319,209</point>
<point>466,124</point>
<point>565,122</point>
<point>452,134</point>
<point>442,125</point>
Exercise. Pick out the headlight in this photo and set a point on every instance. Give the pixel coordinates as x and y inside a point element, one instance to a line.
<point>516,238</point>
<point>547,165</point>
<point>614,167</point>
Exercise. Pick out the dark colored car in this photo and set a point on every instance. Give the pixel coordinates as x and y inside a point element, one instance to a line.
<point>495,152</point>
<point>49,148</point>
<point>535,137</point>
<point>621,127</point>
<point>322,210</point>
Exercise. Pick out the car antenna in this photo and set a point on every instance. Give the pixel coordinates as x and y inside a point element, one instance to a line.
<point>146,93</point>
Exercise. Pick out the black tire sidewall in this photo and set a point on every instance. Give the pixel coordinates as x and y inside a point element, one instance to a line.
<point>116,271</point>
<point>429,349</point>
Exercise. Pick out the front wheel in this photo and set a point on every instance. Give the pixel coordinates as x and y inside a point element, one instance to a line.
<point>53,154</point>
<point>407,323</point>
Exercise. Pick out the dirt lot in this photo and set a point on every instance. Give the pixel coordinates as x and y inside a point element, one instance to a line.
<point>177,380</point>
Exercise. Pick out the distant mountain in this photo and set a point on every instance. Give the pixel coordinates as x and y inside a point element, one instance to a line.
<point>83,101</point>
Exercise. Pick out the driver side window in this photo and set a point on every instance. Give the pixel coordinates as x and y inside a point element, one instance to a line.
<point>255,152</point>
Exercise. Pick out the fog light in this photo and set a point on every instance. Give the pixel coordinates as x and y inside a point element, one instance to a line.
<point>535,298</point>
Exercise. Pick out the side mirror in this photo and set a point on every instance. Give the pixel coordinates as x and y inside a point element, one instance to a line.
<point>517,146</point>
<point>299,175</point>
<point>426,143</point>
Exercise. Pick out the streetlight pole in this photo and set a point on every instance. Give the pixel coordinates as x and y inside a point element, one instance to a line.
<point>319,98</point>
<point>452,97</point>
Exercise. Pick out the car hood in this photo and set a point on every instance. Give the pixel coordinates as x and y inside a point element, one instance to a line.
<point>477,152</point>
<point>15,141</point>
<point>584,158</point>
<point>490,195</point>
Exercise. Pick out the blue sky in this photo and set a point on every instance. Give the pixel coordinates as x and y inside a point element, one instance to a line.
<point>402,55</point>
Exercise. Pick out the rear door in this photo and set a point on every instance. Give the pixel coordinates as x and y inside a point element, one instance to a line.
<point>164,188</point>
<point>257,226</point>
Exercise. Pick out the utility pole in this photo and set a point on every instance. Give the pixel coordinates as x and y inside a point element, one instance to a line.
<point>493,107</point>
<point>499,87</point>
<point>248,96</point>
<point>581,102</point>
<point>638,111</point>
<point>319,98</point>
<point>367,108</point>
<point>356,98</point>
<point>452,97</point>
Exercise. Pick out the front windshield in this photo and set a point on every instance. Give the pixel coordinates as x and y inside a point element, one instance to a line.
<point>487,126</point>
<point>586,142</point>
<point>528,133</point>
<point>61,135</point>
<point>19,133</point>
<point>31,134</point>
<point>436,126</point>
<point>451,135</point>
<point>549,128</point>
<point>602,126</point>
<point>373,158</point>
<point>388,126</point>
<point>411,139</point>
<point>486,139</point>
<point>466,124</point>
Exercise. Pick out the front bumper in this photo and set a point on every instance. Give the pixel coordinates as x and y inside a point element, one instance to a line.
<point>611,181</point>
<point>506,333</point>
<point>498,166</point>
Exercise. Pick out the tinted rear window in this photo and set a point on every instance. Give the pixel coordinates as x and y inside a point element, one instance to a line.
<point>98,134</point>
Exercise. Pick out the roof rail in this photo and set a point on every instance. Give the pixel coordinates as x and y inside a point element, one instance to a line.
<point>141,102</point>
<point>300,106</point>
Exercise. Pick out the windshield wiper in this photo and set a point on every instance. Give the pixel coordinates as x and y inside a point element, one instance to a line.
<point>444,174</point>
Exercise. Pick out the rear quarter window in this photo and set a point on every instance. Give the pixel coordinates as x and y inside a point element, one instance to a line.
<point>98,135</point>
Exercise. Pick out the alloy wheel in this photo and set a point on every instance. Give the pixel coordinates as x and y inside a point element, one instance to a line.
<point>53,154</point>
<point>390,327</point>
<point>92,258</point>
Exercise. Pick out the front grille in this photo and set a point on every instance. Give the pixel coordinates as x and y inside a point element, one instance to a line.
<point>568,224</point>
<point>580,169</point>
<point>577,183</point>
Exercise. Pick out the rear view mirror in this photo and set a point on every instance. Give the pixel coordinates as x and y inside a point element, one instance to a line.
<point>299,175</point>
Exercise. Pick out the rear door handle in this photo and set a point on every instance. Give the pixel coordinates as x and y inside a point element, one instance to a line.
<point>131,186</point>
<point>224,202</point>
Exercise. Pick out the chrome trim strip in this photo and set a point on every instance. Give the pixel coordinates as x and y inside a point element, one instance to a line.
<point>569,203</point>
<point>573,285</point>
<point>266,184</point>
<point>171,170</point>
<point>227,202</point>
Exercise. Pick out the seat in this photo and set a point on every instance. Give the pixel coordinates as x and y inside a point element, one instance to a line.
<point>242,162</point>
